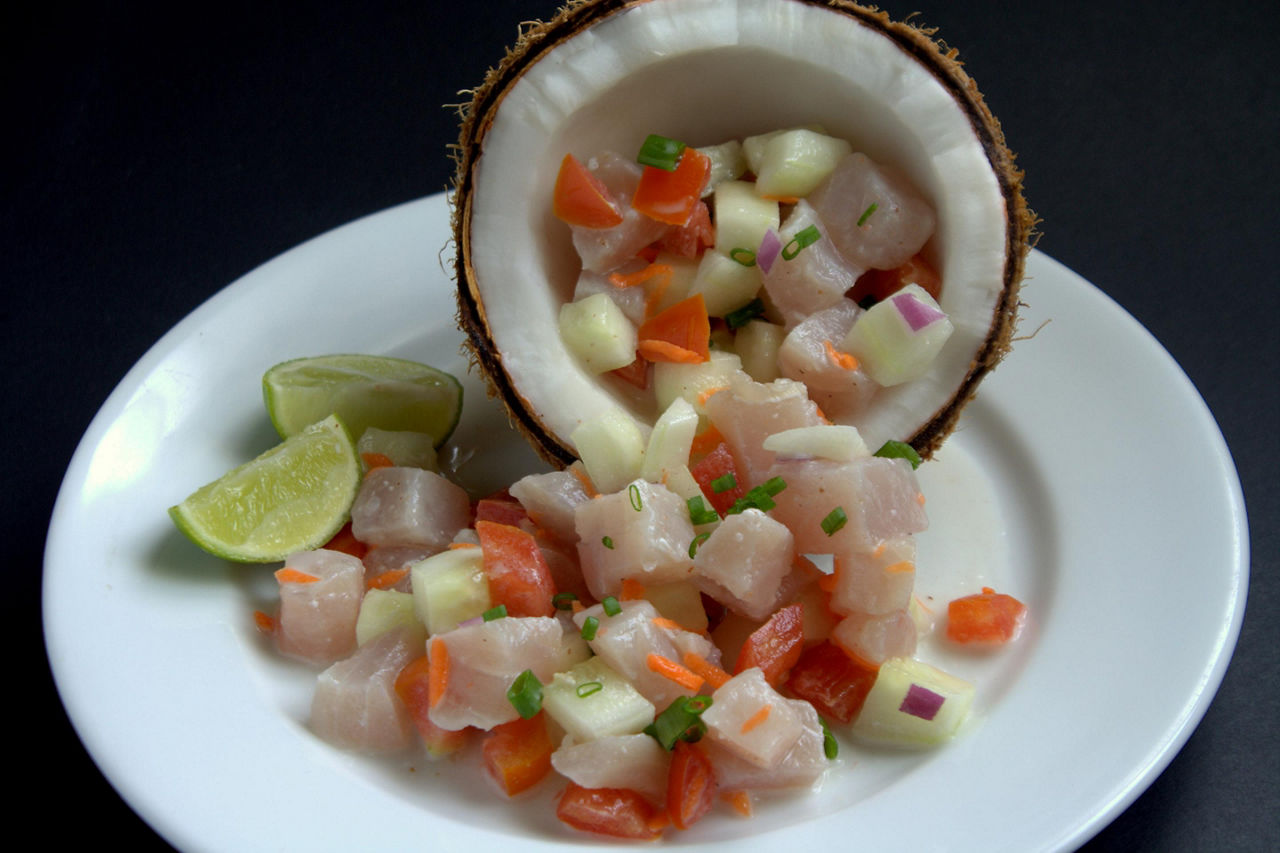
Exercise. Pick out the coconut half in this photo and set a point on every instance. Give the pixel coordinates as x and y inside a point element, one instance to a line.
<point>602,75</point>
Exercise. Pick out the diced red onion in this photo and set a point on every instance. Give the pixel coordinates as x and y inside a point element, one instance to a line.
<point>474,620</point>
<point>769,249</point>
<point>916,313</point>
<point>921,702</point>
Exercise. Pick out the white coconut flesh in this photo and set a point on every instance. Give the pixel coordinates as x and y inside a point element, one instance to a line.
<point>706,71</point>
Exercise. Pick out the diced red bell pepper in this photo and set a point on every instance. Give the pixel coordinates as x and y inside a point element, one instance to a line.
<point>681,333</point>
<point>671,197</point>
<point>413,687</point>
<point>636,373</point>
<point>688,241</point>
<point>711,467</point>
<point>881,284</point>
<point>691,785</point>
<point>517,755</point>
<point>831,681</point>
<point>617,812</point>
<point>346,542</point>
<point>580,198</point>
<point>775,646</point>
<point>503,510</point>
<point>986,618</point>
<point>518,575</point>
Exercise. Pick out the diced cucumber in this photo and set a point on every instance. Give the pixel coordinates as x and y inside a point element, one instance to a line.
<point>724,283</point>
<point>757,344</point>
<point>742,217</point>
<point>683,271</point>
<point>596,331</point>
<point>753,148</point>
<point>679,601</point>
<point>913,704</point>
<point>794,162</point>
<point>884,342</point>
<point>670,441</point>
<point>403,447</point>
<point>611,448</point>
<point>384,609</point>
<point>586,712</point>
<point>727,163</point>
<point>690,381</point>
<point>449,588</point>
<point>839,442</point>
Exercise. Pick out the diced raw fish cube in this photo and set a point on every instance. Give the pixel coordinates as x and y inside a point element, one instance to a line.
<point>744,561</point>
<point>562,560</point>
<point>812,353</point>
<point>634,761</point>
<point>879,582</point>
<point>409,506</point>
<point>748,412</point>
<point>318,619</point>
<point>801,766</point>
<point>754,721</point>
<point>605,249</point>
<point>355,705</point>
<point>889,235</point>
<point>873,639</point>
<point>484,658</point>
<point>630,300</point>
<point>389,558</point>
<point>880,498</point>
<point>550,500</point>
<point>641,532</point>
<point>626,640</point>
<point>815,276</point>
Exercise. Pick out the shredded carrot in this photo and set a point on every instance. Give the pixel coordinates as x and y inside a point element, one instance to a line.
<point>376,460</point>
<point>838,358</point>
<point>387,579</point>
<point>288,575</point>
<point>458,546</point>
<point>656,293</point>
<point>828,582</point>
<point>926,608</point>
<point>920,498</point>
<point>577,606</point>
<point>438,673</point>
<point>631,279</point>
<point>822,416</point>
<point>266,624</point>
<point>705,442</point>
<point>707,393</point>
<point>781,199</point>
<point>655,350</point>
<point>879,551</point>
<point>714,675</point>
<point>739,801</point>
<point>587,486</point>
<point>686,325</point>
<point>631,590</point>
<point>756,719</point>
<point>901,566</point>
<point>673,671</point>
<point>669,624</point>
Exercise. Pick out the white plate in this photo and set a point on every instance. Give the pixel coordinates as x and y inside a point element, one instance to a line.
<point>1088,479</point>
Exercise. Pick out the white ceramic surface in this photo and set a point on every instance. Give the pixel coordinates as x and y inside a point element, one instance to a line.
<point>1088,479</point>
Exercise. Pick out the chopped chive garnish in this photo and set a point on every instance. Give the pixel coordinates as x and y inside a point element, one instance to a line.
<point>495,613</point>
<point>607,542</point>
<point>866,214</point>
<point>806,237</point>
<point>740,317</point>
<point>633,492</point>
<point>830,746</point>
<point>759,497</point>
<point>834,521</point>
<point>699,512</point>
<point>899,450</point>
<point>563,600</point>
<point>525,694</point>
<point>746,257</point>
<point>660,152</point>
<point>586,688</point>
<point>611,606</point>
<point>680,721</point>
<point>697,540</point>
<point>724,484</point>
<point>589,627</point>
<point>773,485</point>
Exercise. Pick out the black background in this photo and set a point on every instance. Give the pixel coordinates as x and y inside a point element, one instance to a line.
<point>155,154</point>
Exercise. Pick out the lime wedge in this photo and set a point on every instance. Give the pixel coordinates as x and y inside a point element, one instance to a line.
<point>364,391</point>
<point>294,497</point>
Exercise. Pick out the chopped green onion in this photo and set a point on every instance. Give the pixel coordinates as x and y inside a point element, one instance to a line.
<point>660,152</point>
<point>589,627</point>
<point>495,613</point>
<point>866,214</point>
<point>806,237</point>
<point>563,600</point>
<point>611,606</point>
<point>746,257</point>
<point>633,492</point>
<point>680,721</point>
<point>760,497</point>
<point>697,540</point>
<point>607,542</point>
<point>586,688</point>
<point>724,484</point>
<point>699,512</point>
<point>830,746</point>
<point>525,694</point>
<point>773,486</point>
<point>899,450</point>
<point>740,317</point>
<point>834,521</point>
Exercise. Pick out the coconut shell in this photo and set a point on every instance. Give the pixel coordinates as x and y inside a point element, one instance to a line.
<point>538,37</point>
